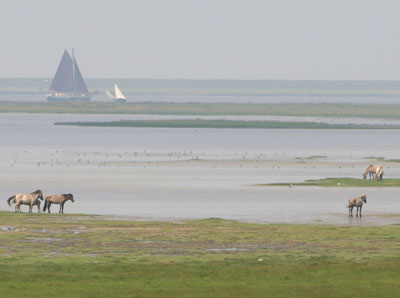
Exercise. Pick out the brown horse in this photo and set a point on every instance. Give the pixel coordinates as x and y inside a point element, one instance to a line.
<point>57,199</point>
<point>26,199</point>
<point>356,202</point>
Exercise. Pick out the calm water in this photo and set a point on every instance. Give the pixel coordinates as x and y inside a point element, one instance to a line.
<point>107,170</point>
<point>139,90</point>
<point>37,132</point>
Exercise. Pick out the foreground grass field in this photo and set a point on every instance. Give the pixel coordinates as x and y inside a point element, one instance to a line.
<point>389,111</point>
<point>343,182</point>
<point>90,256</point>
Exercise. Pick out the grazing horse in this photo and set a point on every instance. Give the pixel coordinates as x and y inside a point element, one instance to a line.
<point>26,199</point>
<point>372,171</point>
<point>57,199</point>
<point>356,202</point>
<point>379,174</point>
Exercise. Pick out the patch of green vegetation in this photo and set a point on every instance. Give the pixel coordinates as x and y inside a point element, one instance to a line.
<point>199,123</point>
<point>378,158</point>
<point>316,157</point>
<point>343,182</point>
<point>92,256</point>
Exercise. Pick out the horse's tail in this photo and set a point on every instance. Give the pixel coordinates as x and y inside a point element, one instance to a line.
<point>11,200</point>
<point>45,205</point>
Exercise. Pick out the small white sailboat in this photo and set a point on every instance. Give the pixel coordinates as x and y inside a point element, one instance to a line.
<point>119,97</point>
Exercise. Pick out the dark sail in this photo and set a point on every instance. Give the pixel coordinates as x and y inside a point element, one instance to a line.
<point>68,78</point>
<point>79,83</point>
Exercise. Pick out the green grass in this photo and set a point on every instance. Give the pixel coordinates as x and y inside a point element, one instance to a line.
<point>390,111</point>
<point>92,256</point>
<point>199,123</point>
<point>343,182</point>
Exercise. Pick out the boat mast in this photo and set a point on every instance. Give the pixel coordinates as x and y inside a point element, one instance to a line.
<point>73,70</point>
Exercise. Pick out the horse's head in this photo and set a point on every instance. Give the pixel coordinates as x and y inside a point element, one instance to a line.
<point>39,194</point>
<point>364,198</point>
<point>71,197</point>
<point>365,175</point>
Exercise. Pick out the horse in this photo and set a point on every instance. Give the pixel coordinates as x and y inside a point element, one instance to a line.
<point>57,199</point>
<point>356,202</point>
<point>372,171</point>
<point>379,174</point>
<point>26,199</point>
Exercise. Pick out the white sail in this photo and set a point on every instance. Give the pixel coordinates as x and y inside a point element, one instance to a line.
<point>118,93</point>
<point>108,93</point>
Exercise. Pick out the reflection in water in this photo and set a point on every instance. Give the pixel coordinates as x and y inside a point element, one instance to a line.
<point>355,221</point>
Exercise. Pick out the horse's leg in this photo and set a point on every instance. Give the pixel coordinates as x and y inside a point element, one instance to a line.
<point>360,210</point>
<point>48,208</point>
<point>61,208</point>
<point>30,207</point>
<point>351,211</point>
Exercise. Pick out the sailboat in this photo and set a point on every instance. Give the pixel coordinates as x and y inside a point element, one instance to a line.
<point>119,97</point>
<point>68,84</point>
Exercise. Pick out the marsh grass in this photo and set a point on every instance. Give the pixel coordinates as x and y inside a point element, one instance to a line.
<point>233,124</point>
<point>92,256</point>
<point>343,182</point>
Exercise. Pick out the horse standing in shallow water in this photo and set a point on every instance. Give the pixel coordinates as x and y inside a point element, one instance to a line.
<point>26,199</point>
<point>57,199</point>
<point>356,202</point>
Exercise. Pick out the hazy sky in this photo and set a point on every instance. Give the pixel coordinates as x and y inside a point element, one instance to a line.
<point>204,39</point>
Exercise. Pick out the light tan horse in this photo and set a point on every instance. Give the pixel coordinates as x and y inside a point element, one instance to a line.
<point>356,202</point>
<point>26,199</point>
<point>373,172</point>
<point>57,199</point>
<point>379,174</point>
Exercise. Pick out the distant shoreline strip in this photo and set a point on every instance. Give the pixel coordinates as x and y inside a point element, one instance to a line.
<point>225,124</point>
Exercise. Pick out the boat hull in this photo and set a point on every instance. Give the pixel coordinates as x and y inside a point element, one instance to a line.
<point>120,100</point>
<point>68,98</point>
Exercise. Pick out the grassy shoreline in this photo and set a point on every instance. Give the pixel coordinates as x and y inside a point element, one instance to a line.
<point>388,111</point>
<point>233,124</point>
<point>342,182</point>
<point>92,256</point>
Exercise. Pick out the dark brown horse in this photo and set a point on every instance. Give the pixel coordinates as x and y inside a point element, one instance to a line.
<point>57,199</point>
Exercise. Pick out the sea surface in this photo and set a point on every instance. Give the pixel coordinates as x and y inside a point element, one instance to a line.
<point>169,173</point>
<point>211,91</point>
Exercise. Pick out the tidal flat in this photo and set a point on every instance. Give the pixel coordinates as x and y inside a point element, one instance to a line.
<point>97,256</point>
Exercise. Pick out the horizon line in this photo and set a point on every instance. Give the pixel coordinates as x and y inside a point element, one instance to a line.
<point>213,79</point>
